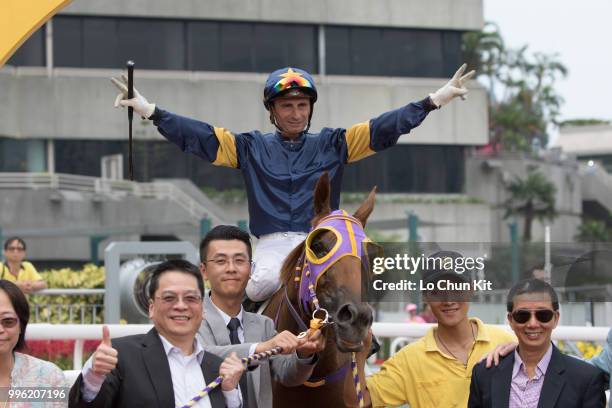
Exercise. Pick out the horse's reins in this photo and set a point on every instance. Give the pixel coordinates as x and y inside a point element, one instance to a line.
<point>246,361</point>
<point>316,323</point>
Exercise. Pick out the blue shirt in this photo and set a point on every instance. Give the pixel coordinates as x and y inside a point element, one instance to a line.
<point>280,176</point>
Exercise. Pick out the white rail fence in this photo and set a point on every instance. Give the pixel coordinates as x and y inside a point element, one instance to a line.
<point>403,331</point>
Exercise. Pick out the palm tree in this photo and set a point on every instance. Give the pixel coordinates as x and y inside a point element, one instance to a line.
<point>484,52</point>
<point>532,198</point>
<point>523,101</point>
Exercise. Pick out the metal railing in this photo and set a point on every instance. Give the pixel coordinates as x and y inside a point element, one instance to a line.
<point>79,314</point>
<point>82,313</point>
<point>94,185</point>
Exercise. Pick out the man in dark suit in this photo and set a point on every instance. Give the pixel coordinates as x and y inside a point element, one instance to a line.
<point>226,265</point>
<point>536,374</point>
<point>166,367</point>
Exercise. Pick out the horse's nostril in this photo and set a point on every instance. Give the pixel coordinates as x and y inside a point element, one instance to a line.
<point>346,313</point>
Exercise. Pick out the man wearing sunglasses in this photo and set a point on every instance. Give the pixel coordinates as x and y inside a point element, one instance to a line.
<point>536,374</point>
<point>280,169</point>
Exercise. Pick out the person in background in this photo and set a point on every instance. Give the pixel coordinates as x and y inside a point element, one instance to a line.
<point>18,271</point>
<point>427,314</point>
<point>18,370</point>
<point>411,310</point>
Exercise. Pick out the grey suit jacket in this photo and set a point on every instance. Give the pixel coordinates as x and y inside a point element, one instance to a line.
<point>287,369</point>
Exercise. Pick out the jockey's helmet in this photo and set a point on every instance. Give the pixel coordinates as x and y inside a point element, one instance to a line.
<point>289,82</point>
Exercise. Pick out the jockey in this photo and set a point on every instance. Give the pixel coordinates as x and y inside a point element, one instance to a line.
<point>280,169</point>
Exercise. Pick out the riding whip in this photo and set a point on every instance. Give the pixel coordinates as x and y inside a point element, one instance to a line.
<point>130,69</point>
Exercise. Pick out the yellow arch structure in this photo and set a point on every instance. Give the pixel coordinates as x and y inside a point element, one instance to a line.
<point>20,18</point>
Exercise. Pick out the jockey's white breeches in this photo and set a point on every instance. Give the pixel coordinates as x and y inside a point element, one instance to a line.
<point>270,253</point>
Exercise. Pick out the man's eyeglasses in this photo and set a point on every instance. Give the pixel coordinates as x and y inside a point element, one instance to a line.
<point>542,315</point>
<point>9,322</point>
<point>172,299</point>
<point>15,249</point>
<point>239,262</point>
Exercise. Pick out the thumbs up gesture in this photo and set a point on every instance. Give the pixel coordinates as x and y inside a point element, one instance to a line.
<point>104,358</point>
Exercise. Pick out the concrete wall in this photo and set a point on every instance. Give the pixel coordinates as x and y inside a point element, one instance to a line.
<point>58,224</point>
<point>77,103</point>
<point>447,14</point>
<point>487,177</point>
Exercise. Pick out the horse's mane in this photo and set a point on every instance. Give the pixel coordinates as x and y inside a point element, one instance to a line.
<point>288,268</point>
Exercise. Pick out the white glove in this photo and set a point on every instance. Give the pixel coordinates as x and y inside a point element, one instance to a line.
<point>138,102</point>
<point>453,88</point>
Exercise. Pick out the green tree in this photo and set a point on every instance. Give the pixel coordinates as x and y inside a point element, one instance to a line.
<point>593,231</point>
<point>523,103</point>
<point>532,197</point>
<point>484,52</point>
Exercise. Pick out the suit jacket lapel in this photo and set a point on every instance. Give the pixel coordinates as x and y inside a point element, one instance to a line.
<point>253,334</point>
<point>553,380</point>
<point>155,360</point>
<point>210,372</point>
<point>501,382</point>
<point>216,323</point>
<point>252,330</point>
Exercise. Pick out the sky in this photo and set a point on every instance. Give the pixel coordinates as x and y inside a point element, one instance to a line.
<point>579,31</point>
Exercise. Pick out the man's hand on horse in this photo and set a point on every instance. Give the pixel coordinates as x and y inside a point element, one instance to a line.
<point>138,102</point>
<point>286,340</point>
<point>453,88</point>
<point>313,343</point>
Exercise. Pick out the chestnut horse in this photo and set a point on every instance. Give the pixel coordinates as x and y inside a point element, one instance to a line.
<point>338,290</point>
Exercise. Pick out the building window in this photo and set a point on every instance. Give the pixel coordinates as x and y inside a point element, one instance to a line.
<point>409,169</point>
<point>94,42</point>
<point>32,51</point>
<point>392,51</point>
<point>402,169</point>
<point>22,155</point>
<point>108,42</point>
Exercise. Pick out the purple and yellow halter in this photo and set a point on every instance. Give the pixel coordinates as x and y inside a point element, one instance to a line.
<point>349,242</point>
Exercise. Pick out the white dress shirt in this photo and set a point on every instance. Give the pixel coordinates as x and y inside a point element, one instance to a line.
<point>186,373</point>
<point>226,320</point>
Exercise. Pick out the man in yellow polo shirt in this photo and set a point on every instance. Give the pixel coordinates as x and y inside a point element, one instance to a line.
<point>18,271</point>
<point>436,370</point>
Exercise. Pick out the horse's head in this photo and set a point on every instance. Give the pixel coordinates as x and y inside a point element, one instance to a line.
<point>337,251</point>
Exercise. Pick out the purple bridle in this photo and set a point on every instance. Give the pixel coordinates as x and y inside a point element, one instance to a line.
<point>349,242</point>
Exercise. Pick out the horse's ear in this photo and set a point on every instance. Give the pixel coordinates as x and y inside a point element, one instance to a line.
<point>321,196</point>
<point>364,211</point>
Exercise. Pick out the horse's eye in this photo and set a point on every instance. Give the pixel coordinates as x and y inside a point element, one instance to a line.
<point>319,248</point>
<point>323,243</point>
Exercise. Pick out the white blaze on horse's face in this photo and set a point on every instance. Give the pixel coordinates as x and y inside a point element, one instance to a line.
<point>227,268</point>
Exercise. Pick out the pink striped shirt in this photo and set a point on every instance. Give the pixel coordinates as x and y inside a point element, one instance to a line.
<point>525,391</point>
